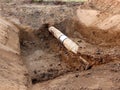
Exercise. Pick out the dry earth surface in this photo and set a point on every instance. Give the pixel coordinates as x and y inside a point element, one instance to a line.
<point>31,58</point>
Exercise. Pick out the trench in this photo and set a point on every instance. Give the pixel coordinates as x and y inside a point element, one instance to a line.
<point>46,58</point>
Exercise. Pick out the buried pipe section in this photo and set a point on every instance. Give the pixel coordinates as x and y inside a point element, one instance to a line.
<point>67,42</point>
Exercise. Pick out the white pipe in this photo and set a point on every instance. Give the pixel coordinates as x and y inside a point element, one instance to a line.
<point>68,43</point>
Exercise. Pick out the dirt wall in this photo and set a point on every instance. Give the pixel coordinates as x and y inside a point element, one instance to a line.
<point>13,73</point>
<point>98,27</point>
<point>111,6</point>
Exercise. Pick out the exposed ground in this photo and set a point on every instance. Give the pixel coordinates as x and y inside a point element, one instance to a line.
<point>47,63</point>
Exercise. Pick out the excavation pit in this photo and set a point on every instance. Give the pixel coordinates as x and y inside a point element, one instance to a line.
<point>46,58</point>
<point>49,64</point>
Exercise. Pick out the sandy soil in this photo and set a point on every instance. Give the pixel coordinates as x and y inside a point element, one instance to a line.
<point>49,64</point>
<point>13,73</point>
